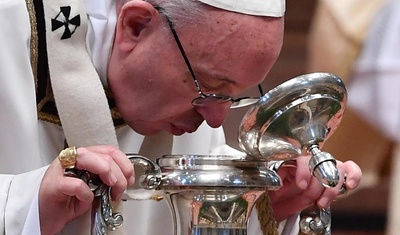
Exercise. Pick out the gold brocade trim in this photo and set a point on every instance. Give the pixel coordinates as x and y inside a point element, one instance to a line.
<point>266,215</point>
<point>34,39</point>
<point>115,114</point>
<point>51,117</point>
<point>48,99</point>
<point>46,106</point>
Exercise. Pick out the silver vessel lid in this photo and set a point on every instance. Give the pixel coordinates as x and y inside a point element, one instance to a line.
<point>300,112</point>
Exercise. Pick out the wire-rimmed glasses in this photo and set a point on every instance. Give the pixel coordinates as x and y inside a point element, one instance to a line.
<point>207,99</point>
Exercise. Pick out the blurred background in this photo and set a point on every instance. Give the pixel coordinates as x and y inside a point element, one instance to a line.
<point>312,44</point>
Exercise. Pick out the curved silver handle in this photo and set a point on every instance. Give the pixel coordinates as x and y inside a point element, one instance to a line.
<point>151,178</point>
<point>323,166</point>
<point>318,222</point>
<point>103,217</point>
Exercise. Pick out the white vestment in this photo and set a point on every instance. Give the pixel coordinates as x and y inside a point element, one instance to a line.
<point>28,145</point>
<point>374,92</point>
<point>375,83</point>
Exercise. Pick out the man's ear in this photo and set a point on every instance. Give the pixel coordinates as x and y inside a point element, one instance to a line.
<point>136,19</point>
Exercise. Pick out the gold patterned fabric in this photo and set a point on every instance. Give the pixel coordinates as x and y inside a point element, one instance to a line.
<point>266,215</point>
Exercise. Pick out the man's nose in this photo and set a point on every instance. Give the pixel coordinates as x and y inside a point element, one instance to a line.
<point>214,115</point>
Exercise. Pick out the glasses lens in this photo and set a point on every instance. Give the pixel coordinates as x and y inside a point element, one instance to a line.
<point>217,100</point>
<point>244,102</point>
<point>210,100</point>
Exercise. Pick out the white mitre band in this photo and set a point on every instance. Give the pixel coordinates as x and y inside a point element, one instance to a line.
<point>274,8</point>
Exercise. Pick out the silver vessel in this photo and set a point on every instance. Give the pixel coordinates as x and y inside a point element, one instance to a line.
<point>214,195</point>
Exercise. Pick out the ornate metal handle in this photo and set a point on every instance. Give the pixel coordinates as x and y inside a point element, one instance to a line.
<point>323,167</point>
<point>103,217</point>
<point>151,178</point>
<point>318,222</point>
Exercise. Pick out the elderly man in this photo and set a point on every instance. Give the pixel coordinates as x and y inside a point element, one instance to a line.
<point>165,66</point>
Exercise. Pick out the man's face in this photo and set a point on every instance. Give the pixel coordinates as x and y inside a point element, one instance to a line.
<point>153,87</point>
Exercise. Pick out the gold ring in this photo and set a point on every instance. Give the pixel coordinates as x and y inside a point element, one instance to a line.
<point>67,157</point>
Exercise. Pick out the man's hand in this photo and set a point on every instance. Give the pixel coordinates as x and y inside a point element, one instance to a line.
<point>301,190</point>
<point>62,198</point>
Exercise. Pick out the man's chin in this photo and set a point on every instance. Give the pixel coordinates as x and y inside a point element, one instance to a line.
<point>143,130</point>
<point>176,131</point>
<point>155,132</point>
<point>172,129</point>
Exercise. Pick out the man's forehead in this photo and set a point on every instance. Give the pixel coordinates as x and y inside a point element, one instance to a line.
<point>273,8</point>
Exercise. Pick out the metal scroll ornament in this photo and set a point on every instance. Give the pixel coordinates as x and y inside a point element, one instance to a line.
<point>214,195</point>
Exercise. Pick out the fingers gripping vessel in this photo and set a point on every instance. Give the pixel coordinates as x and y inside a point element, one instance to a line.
<point>214,195</point>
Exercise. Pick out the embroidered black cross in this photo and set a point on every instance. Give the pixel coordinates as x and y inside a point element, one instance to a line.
<point>70,25</point>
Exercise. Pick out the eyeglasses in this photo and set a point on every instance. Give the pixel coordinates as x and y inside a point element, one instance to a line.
<point>207,99</point>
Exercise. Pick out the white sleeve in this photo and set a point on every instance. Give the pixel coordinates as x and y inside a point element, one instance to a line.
<point>218,143</point>
<point>200,142</point>
<point>290,226</point>
<point>32,223</point>
<point>5,182</point>
<point>17,201</point>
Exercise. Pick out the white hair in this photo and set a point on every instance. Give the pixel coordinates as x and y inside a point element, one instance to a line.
<point>181,12</point>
